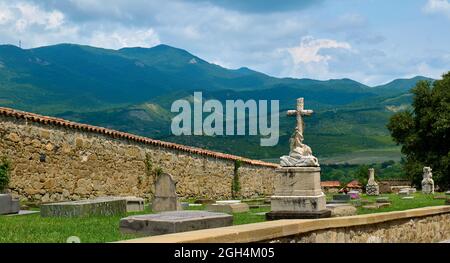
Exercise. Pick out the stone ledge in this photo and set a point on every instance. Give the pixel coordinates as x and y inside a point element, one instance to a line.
<point>281,228</point>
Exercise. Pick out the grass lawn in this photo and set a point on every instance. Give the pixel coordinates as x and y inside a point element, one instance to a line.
<point>398,204</point>
<point>33,228</point>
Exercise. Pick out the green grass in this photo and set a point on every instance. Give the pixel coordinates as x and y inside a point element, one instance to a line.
<point>399,204</point>
<point>35,229</point>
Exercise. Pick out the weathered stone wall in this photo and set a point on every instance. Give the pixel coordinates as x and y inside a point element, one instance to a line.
<point>59,162</point>
<point>426,224</point>
<point>427,229</point>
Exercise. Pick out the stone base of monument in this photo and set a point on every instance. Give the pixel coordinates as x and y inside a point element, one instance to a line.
<point>85,208</point>
<point>173,222</point>
<point>8,205</point>
<point>298,215</point>
<point>298,194</point>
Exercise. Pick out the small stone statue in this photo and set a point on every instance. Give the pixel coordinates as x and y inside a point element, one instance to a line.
<point>372,187</point>
<point>427,182</point>
<point>300,154</point>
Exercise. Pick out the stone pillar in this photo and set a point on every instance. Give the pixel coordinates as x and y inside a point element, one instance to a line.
<point>298,194</point>
<point>372,187</point>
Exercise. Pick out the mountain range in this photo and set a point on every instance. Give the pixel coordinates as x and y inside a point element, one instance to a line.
<point>132,89</point>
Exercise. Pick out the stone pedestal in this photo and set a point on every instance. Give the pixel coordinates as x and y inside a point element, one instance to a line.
<point>298,194</point>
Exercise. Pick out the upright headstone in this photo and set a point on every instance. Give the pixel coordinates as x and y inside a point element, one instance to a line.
<point>8,205</point>
<point>427,182</point>
<point>166,198</point>
<point>297,191</point>
<point>372,187</point>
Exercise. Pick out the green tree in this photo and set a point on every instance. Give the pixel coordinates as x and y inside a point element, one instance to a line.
<point>424,131</point>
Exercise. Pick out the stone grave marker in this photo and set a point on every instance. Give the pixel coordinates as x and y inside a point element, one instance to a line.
<point>403,192</point>
<point>173,222</point>
<point>297,192</point>
<point>228,206</point>
<point>372,187</point>
<point>447,193</point>
<point>341,197</point>
<point>204,201</point>
<point>353,194</point>
<point>341,210</point>
<point>408,197</point>
<point>134,204</point>
<point>427,182</point>
<point>382,200</point>
<point>103,206</point>
<point>8,205</point>
<point>166,198</point>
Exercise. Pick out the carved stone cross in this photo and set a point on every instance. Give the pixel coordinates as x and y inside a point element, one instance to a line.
<point>299,113</point>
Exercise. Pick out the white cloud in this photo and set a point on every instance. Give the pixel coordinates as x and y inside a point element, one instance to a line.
<point>29,15</point>
<point>124,37</point>
<point>309,48</point>
<point>437,6</point>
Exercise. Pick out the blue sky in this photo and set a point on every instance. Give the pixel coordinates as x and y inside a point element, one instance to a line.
<point>371,41</point>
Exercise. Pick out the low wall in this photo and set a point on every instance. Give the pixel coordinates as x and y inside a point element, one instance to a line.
<point>429,224</point>
<point>54,160</point>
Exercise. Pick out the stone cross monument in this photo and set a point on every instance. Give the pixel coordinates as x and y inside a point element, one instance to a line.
<point>297,190</point>
<point>300,154</point>
<point>427,182</point>
<point>372,187</point>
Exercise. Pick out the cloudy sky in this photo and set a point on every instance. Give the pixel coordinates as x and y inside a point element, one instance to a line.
<point>372,41</point>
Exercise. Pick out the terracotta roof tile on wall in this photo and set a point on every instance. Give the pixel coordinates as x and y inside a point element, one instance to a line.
<point>330,184</point>
<point>354,184</point>
<point>117,134</point>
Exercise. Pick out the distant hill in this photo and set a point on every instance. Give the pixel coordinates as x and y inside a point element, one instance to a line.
<point>131,89</point>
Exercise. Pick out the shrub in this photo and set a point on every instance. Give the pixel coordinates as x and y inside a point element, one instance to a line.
<point>5,167</point>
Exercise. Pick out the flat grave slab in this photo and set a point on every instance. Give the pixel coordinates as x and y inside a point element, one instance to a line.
<point>24,212</point>
<point>134,204</point>
<point>341,197</point>
<point>204,201</point>
<point>228,208</point>
<point>226,202</point>
<point>383,200</point>
<point>84,208</point>
<point>173,222</point>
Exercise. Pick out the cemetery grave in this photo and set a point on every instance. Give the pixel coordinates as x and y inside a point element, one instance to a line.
<point>34,228</point>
